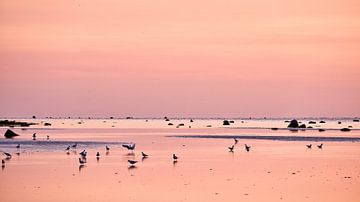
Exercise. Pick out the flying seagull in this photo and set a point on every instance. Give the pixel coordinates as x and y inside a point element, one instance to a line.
<point>320,146</point>
<point>309,146</point>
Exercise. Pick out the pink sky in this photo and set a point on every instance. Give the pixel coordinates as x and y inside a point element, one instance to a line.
<point>180,58</point>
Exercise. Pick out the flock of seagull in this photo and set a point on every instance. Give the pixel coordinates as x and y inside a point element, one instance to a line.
<point>130,147</point>
<point>247,147</point>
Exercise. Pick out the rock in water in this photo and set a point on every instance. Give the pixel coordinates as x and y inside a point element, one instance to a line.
<point>10,134</point>
<point>226,123</point>
<point>293,124</point>
<point>345,130</point>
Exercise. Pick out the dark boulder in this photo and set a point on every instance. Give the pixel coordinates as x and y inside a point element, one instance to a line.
<point>321,130</point>
<point>322,122</point>
<point>232,121</point>
<point>47,124</point>
<point>274,128</point>
<point>312,122</point>
<point>10,134</point>
<point>293,124</point>
<point>356,120</point>
<point>339,122</point>
<point>226,123</point>
<point>345,130</point>
<point>170,124</point>
<point>309,127</point>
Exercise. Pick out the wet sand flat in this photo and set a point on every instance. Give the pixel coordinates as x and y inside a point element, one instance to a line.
<point>205,171</point>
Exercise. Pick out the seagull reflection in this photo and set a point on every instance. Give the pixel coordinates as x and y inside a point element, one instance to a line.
<point>81,167</point>
<point>132,167</point>
<point>107,153</point>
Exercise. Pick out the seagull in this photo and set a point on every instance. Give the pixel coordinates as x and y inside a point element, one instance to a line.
<point>236,140</point>
<point>129,147</point>
<point>175,158</point>
<point>47,137</point>
<point>34,136</point>
<point>309,146</point>
<point>83,153</point>
<point>74,145</point>
<point>18,146</point>
<point>107,148</point>
<point>67,148</point>
<point>81,161</point>
<point>132,162</point>
<point>144,155</point>
<point>97,155</point>
<point>320,146</point>
<point>231,149</point>
<point>8,155</point>
<point>3,161</point>
<point>247,148</point>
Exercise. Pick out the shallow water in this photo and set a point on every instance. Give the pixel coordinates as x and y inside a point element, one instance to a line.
<point>205,171</point>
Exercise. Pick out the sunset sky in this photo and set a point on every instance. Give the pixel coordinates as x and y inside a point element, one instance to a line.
<point>187,58</point>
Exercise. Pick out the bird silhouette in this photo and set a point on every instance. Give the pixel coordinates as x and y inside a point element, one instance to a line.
<point>34,136</point>
<point>83,153</point>
<point>18,146</point>
<point>231,149</point>
<point>320,146</point>
<point>235,140</point>
<point>82,161</point>
<point>74,145</point>
<point>132,162</point>
<point>107,148</point>
<point>67,148</point>
<point>175,158</point>
<point>144,155</point>
<point>129,146</point>
<point>309,146</point>
<point>98,154</point>
<point>247,148</point>
<point>8,155</point>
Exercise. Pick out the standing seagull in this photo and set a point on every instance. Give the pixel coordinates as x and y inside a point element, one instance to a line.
<point>47,137</point>
<point>8,155</point>
<point>320,146</point>
<point>175,158</point>
<point>83,153</point>
<point>231,149</point>
<point>129,146</point>
<point>132,162</point>
<point>18,146</point>
<point>107,148</point>
<point>309,146</point>
<point>74,145</point>
<point>236,140</point>
<point>97,155</point>
<point>34,136</point>
<point>81,161</point>
<point>67,148</point>
<point>247,148</point>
